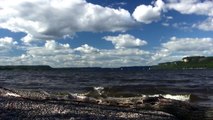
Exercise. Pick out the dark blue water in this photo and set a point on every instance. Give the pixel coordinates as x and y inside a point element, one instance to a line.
<point>196,83</point>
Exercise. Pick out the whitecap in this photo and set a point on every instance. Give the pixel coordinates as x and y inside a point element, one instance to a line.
<point>99,89</point>
<point>12,94</point>
<point>78,96</point>
<point>169,96</point>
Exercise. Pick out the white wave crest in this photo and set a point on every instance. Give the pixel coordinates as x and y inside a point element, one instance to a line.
<point>169,96</point>
<point>12,94</point>
<point>99,89</point>
<point>78,96</point>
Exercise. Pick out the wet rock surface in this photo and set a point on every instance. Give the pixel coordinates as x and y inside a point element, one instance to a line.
<point>25,104</point>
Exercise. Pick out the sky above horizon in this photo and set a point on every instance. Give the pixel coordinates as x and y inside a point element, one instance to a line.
<point>104,33</point>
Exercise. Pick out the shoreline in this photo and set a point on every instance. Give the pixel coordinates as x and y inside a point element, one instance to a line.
<point>29,104</point>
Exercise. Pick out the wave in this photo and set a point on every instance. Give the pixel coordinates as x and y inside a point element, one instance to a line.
<point>101,92</point>
<point>129,101</point>
<point>173,97</point>
<point>10,94</point>
<point>97,95</point>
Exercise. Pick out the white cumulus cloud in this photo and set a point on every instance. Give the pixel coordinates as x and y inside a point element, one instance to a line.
<point>7,46</point>
<point>125,41</point>
<point>52,45</point>
<point>198,7</point>
<point>50,48</point>
<point>7,43</point>
<point>62,55</point>
<point>206,25</point>
<point>53,19</point>
<point>148,13</point>
<point>188,44</point>
<point>176,48</point>
<point>87,49</point>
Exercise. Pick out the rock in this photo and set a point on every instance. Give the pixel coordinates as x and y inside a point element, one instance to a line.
<point>42,105</point>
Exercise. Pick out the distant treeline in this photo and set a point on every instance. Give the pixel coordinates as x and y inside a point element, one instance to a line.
<point>25,67</point>
<point>46,67</point>
<point>194,62</point>
<point>130,68</point>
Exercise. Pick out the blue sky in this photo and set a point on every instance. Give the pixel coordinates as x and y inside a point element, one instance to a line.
<point>106,33</point>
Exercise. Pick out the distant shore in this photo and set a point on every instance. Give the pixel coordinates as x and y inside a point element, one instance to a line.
<point>193,62</point>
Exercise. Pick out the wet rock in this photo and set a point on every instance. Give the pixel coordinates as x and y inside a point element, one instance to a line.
<point>42,105</point>
<point>151,100</point>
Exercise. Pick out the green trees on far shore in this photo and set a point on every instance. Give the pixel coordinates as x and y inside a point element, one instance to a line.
<point>194,62</point>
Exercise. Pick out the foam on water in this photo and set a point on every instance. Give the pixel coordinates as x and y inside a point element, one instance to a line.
<point>87,96</point>
<point>177,97</point>
<point>99,89</point>
<point>101,93</point>
<point>78,96</point>
<point>181,97</point>
<point>169,96</point>
<point>12,94</point>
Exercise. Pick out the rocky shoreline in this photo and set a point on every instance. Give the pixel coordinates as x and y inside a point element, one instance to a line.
<point>26,104</point>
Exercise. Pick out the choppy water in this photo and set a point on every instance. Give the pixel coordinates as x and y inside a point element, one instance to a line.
<point>196,84</point>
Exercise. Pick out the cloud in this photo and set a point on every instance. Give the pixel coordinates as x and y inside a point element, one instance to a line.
<point>124,52</point>
<point>191,6</point>
<point>169,18</point>
<point>6,44</point>
<point>196,7</point>
<point>166,24</point>
<point>62,55</point>
<point>87,49</point>
<point>182,26</point>
<point>206,25</point>
<point>118,4</point>
<point>7,41</point>
<point>188,44</point>
<point>53,19</point>
<point>147,14</point>
<point>104,58</point>
<point>120,57</point>
<point>50,48</point>
<point>51,53</point>
<point>52,45</point>
<point>176,48</point>
<point>125,41</point>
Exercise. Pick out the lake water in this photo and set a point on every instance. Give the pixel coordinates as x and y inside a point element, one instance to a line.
<point>198,84</point>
